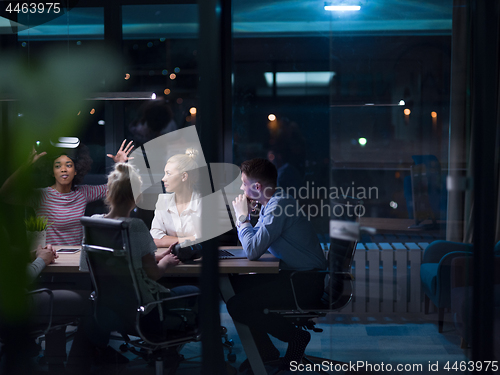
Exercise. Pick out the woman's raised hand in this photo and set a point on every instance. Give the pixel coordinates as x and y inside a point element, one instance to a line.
<point>34,156</point>
<point>122,154</point>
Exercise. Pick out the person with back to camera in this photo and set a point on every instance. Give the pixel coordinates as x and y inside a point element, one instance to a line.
<point>148,265</point>
<point>177,215</point>
<point>291,239</point>
<point>67,306</point>
<point>64,201</point>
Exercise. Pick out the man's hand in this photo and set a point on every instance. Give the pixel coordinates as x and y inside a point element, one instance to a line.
<point>240,205</point>
<point>160,256</point>
<point>47,253</point>
<point>184,239</point>
<point>122,154</point>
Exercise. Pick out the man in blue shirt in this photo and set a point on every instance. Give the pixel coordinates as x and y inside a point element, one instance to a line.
<point>285,233</point>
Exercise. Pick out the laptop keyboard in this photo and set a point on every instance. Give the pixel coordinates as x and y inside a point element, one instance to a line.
<point>224,254</point>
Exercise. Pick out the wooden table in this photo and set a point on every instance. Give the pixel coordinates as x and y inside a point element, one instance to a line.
<point>69,264</point>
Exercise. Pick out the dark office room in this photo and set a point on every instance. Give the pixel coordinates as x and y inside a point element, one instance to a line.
<point>249,187</point>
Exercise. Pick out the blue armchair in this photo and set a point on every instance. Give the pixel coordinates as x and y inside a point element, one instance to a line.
<point>435,274</point>
<point>462,280</point>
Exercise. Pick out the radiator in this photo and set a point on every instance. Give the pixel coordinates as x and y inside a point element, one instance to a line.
<point>387,278</point>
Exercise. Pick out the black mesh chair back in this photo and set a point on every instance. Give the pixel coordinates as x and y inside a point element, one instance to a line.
<point>117,299</point>
<point>339,286</point>
<point>338,283</point>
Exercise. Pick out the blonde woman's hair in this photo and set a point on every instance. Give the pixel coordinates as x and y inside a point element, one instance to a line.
<point>120,182</point>
<point>187,163</point>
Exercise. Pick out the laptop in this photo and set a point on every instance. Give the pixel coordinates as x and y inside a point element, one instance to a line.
<point>232,254</point>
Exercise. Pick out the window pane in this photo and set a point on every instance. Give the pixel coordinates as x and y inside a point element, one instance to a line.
<point>355,107</point>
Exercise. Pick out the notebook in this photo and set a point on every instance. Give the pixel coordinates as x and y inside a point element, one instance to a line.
<point>232,254</point>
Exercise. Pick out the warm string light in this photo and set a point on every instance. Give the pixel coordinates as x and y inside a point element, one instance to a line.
<point>407,115</point>
<point>434,116</point>
<point>272,124</point>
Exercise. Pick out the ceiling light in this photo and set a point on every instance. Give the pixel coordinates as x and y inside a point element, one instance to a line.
<point>342,8</point>
<point>294,79</point>
<point>66,142</point>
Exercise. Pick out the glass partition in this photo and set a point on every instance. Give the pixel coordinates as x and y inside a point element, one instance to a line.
<point>160,47</point>
<point>355,107</point>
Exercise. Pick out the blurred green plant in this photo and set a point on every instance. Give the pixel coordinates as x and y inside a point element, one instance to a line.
<point>40,98</point>
<point>36,223</point>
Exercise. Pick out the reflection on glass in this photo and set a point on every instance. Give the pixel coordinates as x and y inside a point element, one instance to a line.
<point>76,24</point>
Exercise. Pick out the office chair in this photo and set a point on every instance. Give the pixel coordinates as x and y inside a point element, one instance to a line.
<point>462,282</point>
<point>337,294</point>
<point>38,331</point>
<point>118,300</point>
<point>435,274</point>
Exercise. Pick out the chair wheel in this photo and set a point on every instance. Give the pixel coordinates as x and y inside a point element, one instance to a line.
<point>231,357</point>
<point>124,347</point>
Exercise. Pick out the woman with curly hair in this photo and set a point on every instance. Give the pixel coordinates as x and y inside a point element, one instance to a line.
<point>64,201</point>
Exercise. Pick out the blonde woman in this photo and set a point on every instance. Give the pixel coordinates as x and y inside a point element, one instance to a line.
<point>178,213</point>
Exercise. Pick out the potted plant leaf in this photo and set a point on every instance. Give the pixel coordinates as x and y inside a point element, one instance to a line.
<point>36,230</point>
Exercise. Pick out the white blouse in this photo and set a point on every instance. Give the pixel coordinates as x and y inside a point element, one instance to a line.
<point>168,222</point>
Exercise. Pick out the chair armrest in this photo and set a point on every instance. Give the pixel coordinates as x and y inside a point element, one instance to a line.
<point>345,275</point>
<point>146,307</point>
<point>438,249</point>
<point>443,280</point>
<point>342,275</point>
<point>461,272</point>
<point>293,287</point>
<point>448,258</point>
<point>51,304</point>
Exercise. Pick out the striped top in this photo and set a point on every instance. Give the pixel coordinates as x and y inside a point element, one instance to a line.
<point>65,210</point>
